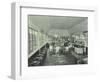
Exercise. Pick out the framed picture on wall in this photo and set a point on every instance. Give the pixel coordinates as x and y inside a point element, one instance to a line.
<point>52,41</point>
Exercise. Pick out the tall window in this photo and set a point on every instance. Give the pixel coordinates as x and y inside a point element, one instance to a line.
<point>32,40</point>
<point>30,48</point>
<point>35,39</point>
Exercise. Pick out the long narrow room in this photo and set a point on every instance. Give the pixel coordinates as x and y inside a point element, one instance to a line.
<point>57,40</point>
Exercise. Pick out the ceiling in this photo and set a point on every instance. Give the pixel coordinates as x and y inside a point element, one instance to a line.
<point>64,22</point>
<point>47,23</point>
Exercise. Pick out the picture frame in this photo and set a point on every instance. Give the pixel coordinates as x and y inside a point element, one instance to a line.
<point>19,36</point>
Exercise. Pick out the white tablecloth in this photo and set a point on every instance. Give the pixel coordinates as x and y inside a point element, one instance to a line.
<point>79,50</point>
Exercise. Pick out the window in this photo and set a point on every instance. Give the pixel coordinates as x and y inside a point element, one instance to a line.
<point>32,40</point>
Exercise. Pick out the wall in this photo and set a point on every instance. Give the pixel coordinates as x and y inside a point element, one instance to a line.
<point>58,32</point>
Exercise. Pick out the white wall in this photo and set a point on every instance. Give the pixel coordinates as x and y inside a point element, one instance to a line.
<point>60,32</point>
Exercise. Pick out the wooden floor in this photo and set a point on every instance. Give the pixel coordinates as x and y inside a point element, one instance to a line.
<point>60,59</point>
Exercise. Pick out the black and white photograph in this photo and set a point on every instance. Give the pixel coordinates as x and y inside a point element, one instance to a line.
<point>53,41</point>
<point>57,40</point>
